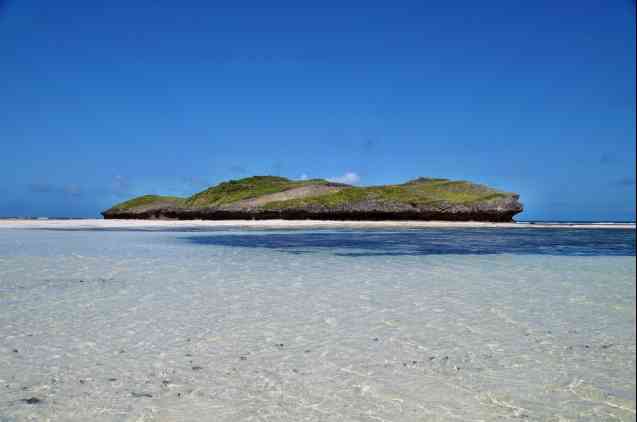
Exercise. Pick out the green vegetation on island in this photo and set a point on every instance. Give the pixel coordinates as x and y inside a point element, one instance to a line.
<point>416,192</point>
<point>146,200</point>
<point>247,188</point>
<point>279,197</point>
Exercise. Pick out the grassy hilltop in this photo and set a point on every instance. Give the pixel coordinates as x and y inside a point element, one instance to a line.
<point>250,187</point>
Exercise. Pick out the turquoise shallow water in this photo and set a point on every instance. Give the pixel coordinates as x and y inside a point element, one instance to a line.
<point>414,325</point>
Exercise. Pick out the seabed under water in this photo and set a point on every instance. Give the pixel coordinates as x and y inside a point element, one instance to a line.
<point>341,325</point>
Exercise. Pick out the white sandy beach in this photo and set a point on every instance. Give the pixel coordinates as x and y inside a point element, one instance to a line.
<point>280,224</point>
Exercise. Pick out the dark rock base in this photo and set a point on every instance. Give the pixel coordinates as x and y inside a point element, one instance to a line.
<point>493,217</point>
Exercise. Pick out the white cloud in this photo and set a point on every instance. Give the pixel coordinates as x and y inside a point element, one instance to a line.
<point>304,177</point>
<point>349,178</point>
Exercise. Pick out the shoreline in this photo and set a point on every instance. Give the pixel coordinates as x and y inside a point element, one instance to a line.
<point>117,224</point>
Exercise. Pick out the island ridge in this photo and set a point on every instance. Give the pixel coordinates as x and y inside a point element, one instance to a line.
<point>273,197</point>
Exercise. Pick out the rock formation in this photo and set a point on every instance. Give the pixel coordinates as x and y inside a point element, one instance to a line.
<point>270,197</point>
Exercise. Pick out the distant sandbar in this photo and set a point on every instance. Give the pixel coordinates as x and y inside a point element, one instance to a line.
<point>97,224</point>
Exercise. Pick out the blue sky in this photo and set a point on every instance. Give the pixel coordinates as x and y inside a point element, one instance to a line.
<point>100,101</point>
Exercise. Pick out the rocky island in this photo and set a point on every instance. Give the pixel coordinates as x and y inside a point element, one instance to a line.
<point>272,197</point>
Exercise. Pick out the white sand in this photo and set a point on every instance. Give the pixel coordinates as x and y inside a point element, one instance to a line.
<point>276,224</point>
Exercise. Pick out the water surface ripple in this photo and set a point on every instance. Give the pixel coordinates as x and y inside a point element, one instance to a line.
<point>414,325</point>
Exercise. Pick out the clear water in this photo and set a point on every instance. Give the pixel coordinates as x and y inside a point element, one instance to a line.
<point>414,325</point>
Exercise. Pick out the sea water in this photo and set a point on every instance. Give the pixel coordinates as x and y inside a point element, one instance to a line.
<point>410,325</point>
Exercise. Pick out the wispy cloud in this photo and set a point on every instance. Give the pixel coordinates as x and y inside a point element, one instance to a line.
<point>41,188</point>
<point>349,178</point>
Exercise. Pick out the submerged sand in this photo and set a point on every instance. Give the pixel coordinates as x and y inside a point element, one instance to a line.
<point>241,325</point>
